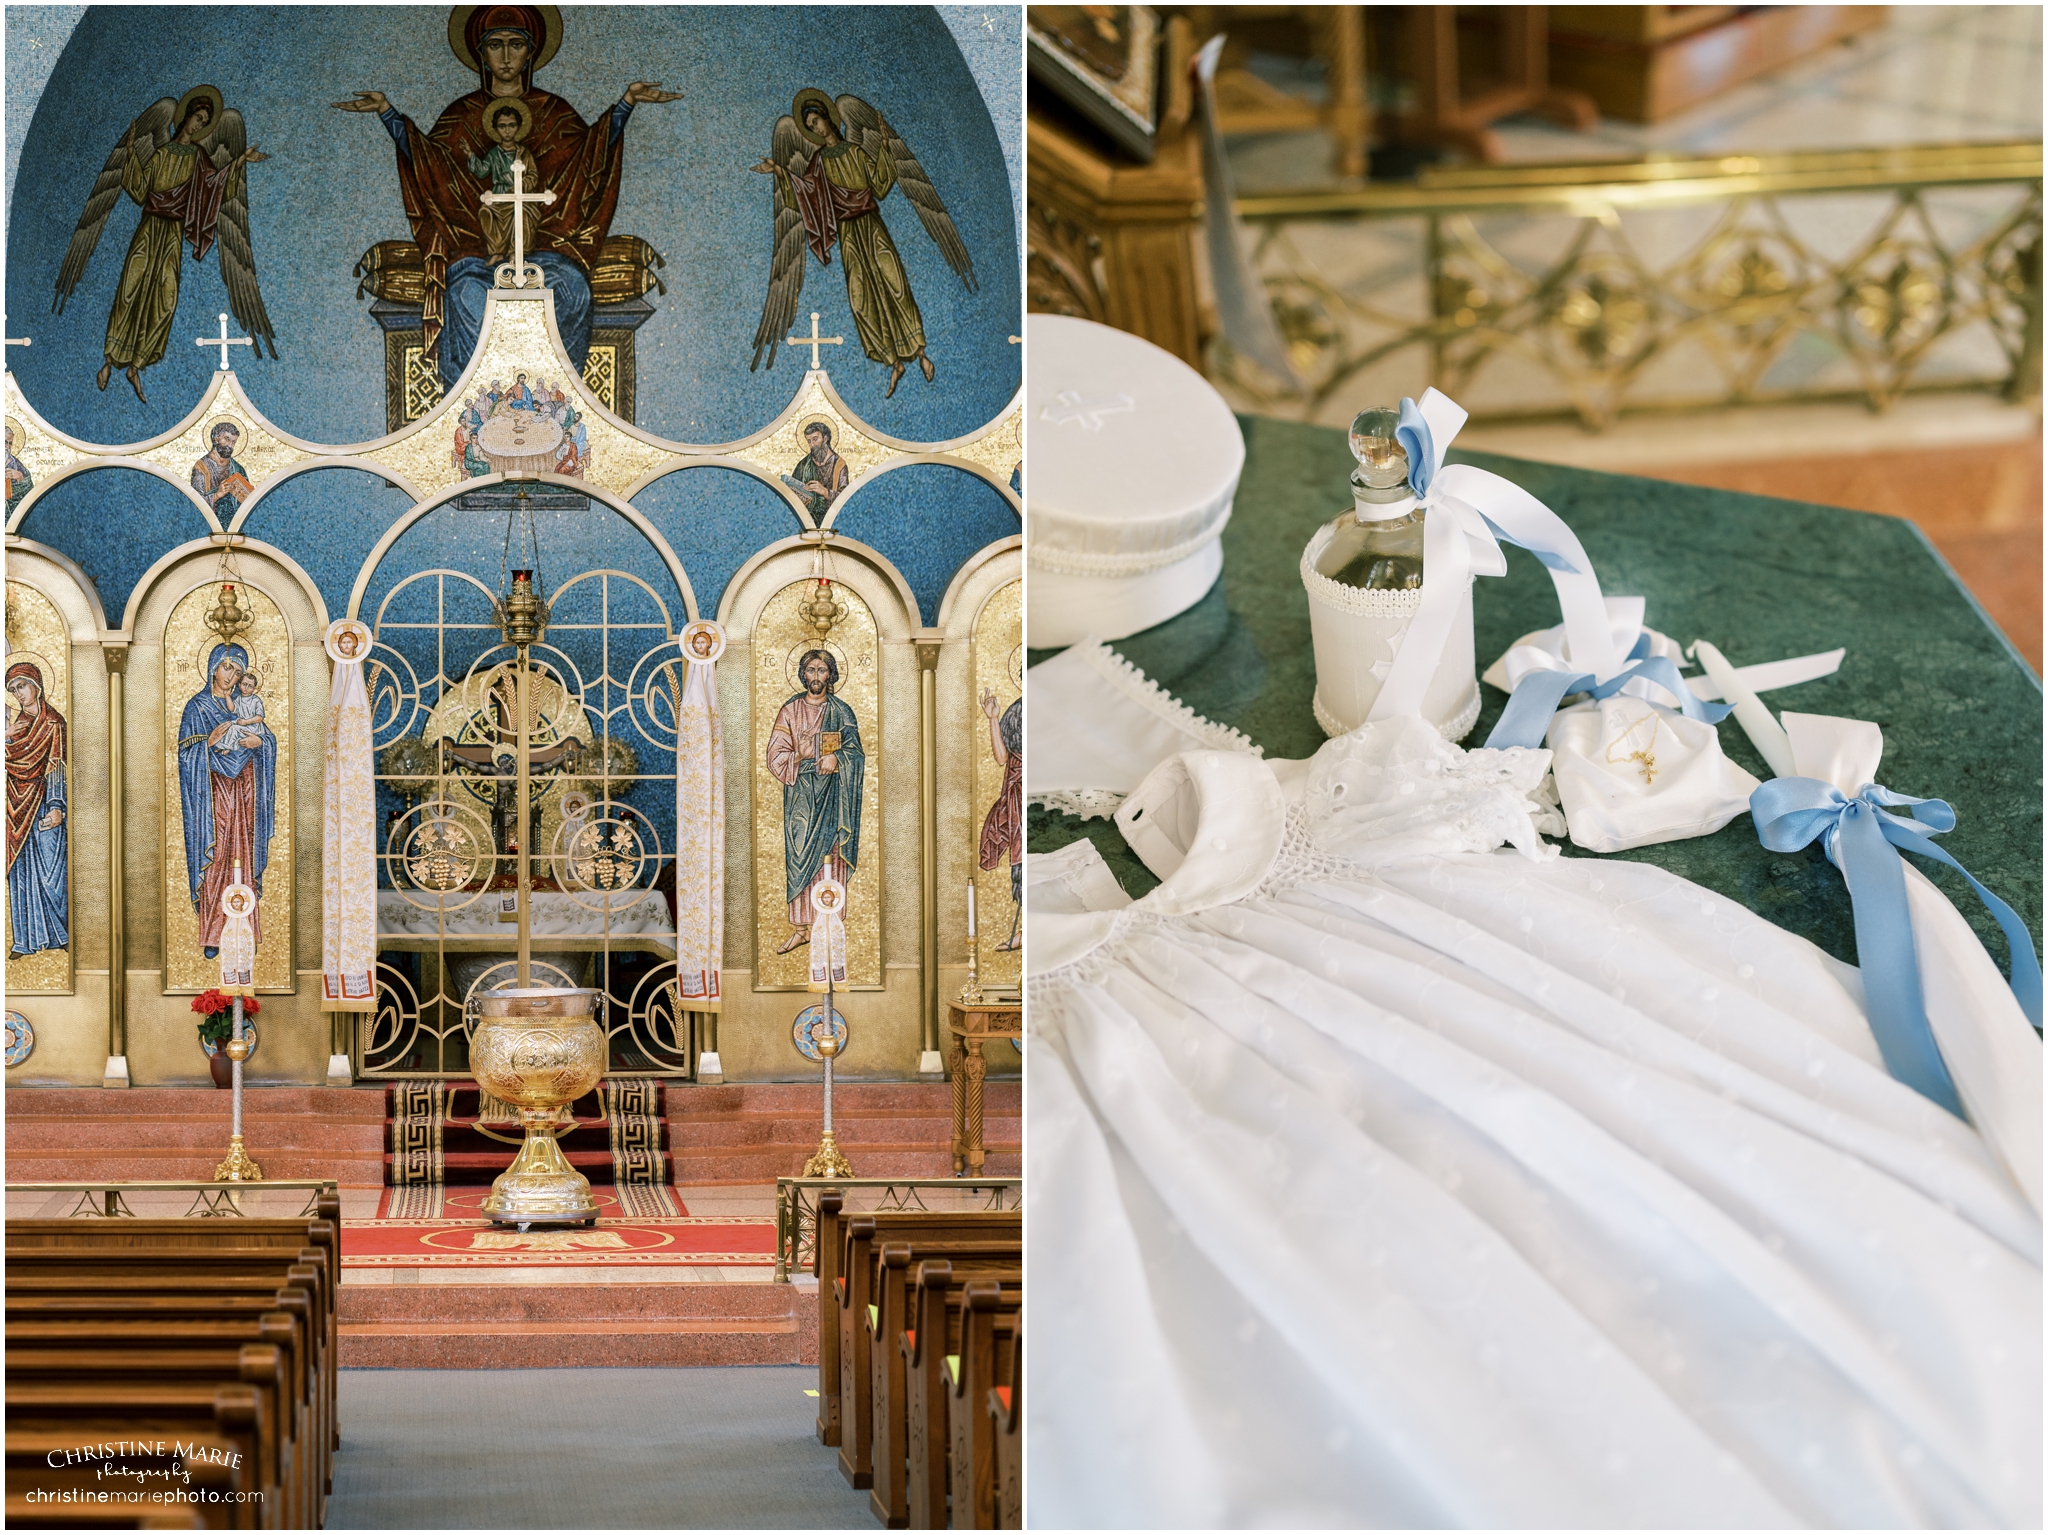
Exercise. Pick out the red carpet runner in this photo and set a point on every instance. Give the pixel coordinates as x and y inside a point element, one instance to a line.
<point>630,1233</point>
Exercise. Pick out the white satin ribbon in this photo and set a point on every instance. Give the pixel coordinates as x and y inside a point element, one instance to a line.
<point>1468,511</point>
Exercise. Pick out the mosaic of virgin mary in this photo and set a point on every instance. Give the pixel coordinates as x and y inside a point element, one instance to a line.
<point>38,901</point>
<point>227,784</point>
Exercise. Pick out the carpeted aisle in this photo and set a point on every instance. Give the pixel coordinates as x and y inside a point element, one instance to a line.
<point>728,1448</point>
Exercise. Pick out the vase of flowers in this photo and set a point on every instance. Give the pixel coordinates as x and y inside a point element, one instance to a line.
<point>217,1028</point>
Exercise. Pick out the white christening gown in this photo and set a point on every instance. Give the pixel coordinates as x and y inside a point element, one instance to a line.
<point>1385,1174</point>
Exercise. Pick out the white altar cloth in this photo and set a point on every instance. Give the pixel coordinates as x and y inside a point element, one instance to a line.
<point>556,914</point>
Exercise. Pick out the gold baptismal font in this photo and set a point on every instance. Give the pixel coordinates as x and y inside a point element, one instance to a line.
<point>536,1048</point>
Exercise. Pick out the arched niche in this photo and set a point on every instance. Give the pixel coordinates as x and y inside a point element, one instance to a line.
<point>330,519</point>
<point>438,533</point>
<point>928,520</point>
<point>116,523</point>
<point>981,618</point>
<point>54,620</point>
<point>722,516</point>
<point>163,1047</point>
<point>754,1032</point>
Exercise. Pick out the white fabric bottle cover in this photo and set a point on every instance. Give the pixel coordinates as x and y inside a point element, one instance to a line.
<point>348,830</point>
<point>1134,465</point>
<point>700,821</point>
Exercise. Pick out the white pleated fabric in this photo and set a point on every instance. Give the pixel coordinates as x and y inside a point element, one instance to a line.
<point>348,830</point>
<point>1385,1175</point>
<point>700,828</point>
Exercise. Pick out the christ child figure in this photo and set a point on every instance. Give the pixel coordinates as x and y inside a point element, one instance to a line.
<point>248,707</point>
<point>506,130</point>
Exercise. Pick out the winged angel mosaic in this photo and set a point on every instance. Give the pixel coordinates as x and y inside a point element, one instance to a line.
<point>833,163</point>
<point>184,162</point>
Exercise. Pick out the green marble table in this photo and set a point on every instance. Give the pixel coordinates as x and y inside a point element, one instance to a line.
<point>1960,710</point>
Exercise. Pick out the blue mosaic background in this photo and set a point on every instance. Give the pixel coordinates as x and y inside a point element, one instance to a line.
<point>330,190</point>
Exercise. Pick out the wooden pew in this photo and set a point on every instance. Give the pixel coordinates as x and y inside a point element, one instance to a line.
<point>826,1237</point>
<point>201,1245</point>
<point>1006,1422</point>
<point>889,1316</point>
<point>110,1412</point>
<point>23,1514</point>
<point>215,1238</point>
<point>207,1300</point>
<point>29,1471</point>
<point>859,1260</point>
<point>281,1464</point>
<point>944,1331</point>
<point>64,1276</point>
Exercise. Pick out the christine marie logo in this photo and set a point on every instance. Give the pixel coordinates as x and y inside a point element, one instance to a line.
<point>112,1460</point>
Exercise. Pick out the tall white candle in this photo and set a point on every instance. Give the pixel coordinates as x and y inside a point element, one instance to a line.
<point>1757,722</point>
<point>970,908</point>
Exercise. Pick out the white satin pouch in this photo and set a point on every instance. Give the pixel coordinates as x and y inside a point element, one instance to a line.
<point>1630,774</point>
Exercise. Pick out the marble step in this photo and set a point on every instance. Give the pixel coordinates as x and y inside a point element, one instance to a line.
<point>493,1326</point>
<point>68,1135</point>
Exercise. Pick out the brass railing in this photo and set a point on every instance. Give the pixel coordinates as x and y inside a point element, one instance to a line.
<point>796,1207</point>
<point>109,1200</point>
<point>1823,275</point>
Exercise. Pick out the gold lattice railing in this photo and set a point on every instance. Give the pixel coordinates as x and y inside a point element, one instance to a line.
<point>1669,282</point>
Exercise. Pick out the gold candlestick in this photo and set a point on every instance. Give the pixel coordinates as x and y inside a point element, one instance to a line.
<point>827,1161</point>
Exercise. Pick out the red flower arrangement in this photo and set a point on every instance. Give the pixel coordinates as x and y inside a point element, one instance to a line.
<point>217,1015</point>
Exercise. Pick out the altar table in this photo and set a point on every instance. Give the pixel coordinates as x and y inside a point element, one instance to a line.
<point>1761,578</point>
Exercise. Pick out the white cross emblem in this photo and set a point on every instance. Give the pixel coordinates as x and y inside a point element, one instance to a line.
<point>1070,407</point>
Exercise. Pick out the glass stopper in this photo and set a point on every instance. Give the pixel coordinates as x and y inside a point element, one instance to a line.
<point>1382,461</point>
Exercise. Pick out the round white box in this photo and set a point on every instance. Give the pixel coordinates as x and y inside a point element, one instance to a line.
<point>1133,464</point>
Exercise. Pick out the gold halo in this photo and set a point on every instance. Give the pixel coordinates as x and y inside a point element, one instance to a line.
<point>550,23</point>
<point>1016,668</point>
<point>43,669</point>
<point>213,426</point>
<point>213,99</point>
<point>499,104</point>
<point>15,435</point>
<point>833,430</point>
<point>804,98</point>
<point>795,679</point>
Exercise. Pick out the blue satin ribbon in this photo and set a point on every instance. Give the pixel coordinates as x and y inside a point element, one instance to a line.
<point>1862,840</point>
<point>1526,720</point>
<point>1416,440</point>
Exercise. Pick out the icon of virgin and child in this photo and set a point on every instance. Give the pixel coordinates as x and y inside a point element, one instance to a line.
<point>227,787</point>
<point>470,150</point>
<point>815,752</point>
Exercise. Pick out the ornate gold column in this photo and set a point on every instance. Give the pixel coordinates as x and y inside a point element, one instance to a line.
<point>116,1074</point>
<point>928,1064</point>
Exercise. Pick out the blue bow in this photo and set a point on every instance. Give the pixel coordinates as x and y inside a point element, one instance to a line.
<point>1414,436</point>
<point>1536,697</point>
<point>1864,841</point>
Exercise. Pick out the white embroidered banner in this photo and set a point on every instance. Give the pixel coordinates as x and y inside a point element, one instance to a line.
<point>828,935</point>
<point>700,821</point>
<point>348,831</point>
<point>237,938</point>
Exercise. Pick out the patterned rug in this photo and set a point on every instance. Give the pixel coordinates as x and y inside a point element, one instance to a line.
<point>458,1233</point>
<point>455,1133</point>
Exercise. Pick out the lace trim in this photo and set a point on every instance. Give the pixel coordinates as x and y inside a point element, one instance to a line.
<point>1453,730</point>
<point>1142,690</point>
<point>1364,601</point>
<point>1086,804</point>
<point>1075,562</point>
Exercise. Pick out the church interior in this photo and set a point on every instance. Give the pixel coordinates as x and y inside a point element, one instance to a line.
<point>514,661</point>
